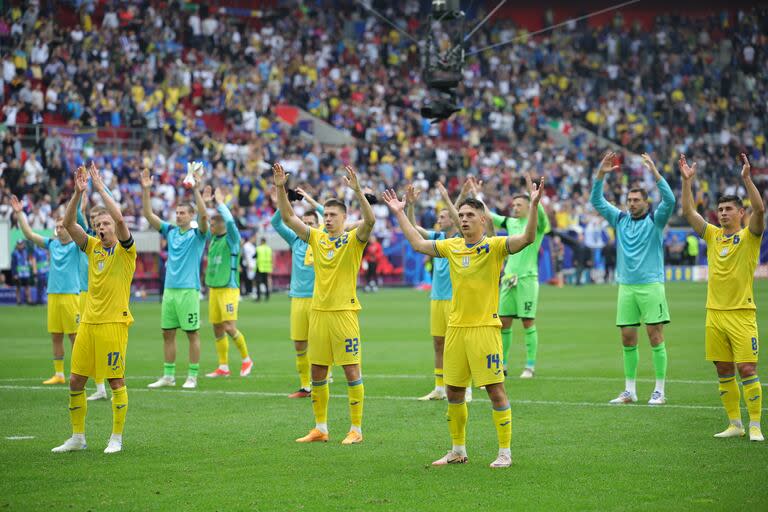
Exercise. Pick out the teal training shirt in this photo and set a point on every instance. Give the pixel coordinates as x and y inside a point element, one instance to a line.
<point>185,254</point>
<point>442,288</point>
<point>64,276</point>
<point>302,276</point>
<point>639,242</point>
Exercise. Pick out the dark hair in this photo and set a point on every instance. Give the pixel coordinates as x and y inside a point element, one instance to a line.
<point>638,190</point>
<point>473,203</point>
<point>189,206</point>
<point>730,199</point>
<point>98,210</point>
<point>310,213</point>
<point>337,203</point>
<point>522,195</point>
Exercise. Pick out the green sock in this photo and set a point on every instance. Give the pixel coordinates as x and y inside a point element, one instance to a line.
<point>660,365</point>
<point>194,368</point>
<point>531,346</point>
<point>169,370</point>
<point>631,360</point>
<point>506,342</point>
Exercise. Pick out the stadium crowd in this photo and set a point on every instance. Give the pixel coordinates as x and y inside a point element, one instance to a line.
<point>693,86</point>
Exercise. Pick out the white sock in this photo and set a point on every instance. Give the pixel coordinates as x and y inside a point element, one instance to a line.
<point>631,386</point>
<point>440,389</point>
<point>357,429</point>
<point>322,427</point>
<point>754,424</point>
<point>247,359</point>
<point>117,437</point>
<point>80,437</point>
<point>59,374</point>
<point>660,386</point>
<point>505,451</point>
<point>738,423</point>
<point>224,367</point>
<point>100,388</point>
<point>459,449</point>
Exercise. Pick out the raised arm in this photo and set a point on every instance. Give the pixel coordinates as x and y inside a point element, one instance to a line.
<point>369,219</point>
<point>452,208</point>
<point>667,205</point>
<point>70,216</point>
<point>284,231</point>
<point>233,234</point>
<point>310,199</point>
<point>696,221</point>
<point>603,207</point>
<point>757,221</point>
<point>81,208</point>
<point>146,201</point>
<point>284,205</point>
<point>121,228</point>
<point>398,209</point>
<point>202,211</point>
<point>517,243</point>
<point>411,196</point>
<point>22,218</point>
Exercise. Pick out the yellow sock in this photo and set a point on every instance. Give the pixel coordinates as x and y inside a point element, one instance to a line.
<point>119,409</point>
<point>239,340</point>
<point>356,392</point>
<point>753,397</point>
<point>222,350</point>
<point>321,393</point>
<point>502,418</point>
<point>457,423</point>
<point>78,407</point>
<point>302,366</point>
<point>439,383</point>
<point>729,395</point>
<point>58,366</point>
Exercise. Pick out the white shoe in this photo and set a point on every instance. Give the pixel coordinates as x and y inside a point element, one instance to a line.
<point>115,444</point>
<point>731,431</point>
<point>190,383</point>
<point>527,373</point>
<point>451,458</point>
<point>755,434</point>
<point>73,444</point>
<point>657,398</point>
<point>435,394</point>
<point>98,395</point>
<point>163,382</point>
<point>502,461</point>
<point>625,398</point>
<point>468,395</point>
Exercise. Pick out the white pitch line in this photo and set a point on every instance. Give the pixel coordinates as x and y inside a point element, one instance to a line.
<point>386,397</point>
<point>19,438</point>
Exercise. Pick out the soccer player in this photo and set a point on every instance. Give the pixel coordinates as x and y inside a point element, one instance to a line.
<point>102,339</point>
<point>731,326</point>
<point>302,285</point>
<point>181,296</point>
<point>334,332</point>
<point>473,338</point>
<point>222,276</point>
<point>640,273</point>
<point>63,287</point>
<point>520,281</point>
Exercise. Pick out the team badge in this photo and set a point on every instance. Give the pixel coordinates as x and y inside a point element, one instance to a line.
<point>724,252</point>
<point>330,254</point>
<point>465,261</point>
<point>101,266</point>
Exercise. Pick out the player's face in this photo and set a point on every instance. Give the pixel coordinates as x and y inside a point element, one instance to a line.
<point>183,216</point>
<point>730,215</point>
<point>472,221</point>
<point>520,207</point>
<point>61,233</point>
<point>636,204</point>
<point>105,229</point>
<point>444,221</point>
<point>218,226</point>
<point>310,220</point>
<point>334,219</point>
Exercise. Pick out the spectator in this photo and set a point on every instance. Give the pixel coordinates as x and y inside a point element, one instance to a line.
<point>263,269</point>
<point>248,262</point>
<point>21,271</point>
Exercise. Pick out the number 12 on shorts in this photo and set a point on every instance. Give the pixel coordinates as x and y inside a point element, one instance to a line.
<point>493,359</point>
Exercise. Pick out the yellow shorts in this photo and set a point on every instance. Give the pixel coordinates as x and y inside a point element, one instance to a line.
<point>222,305</point>
<point>63,313</point>
<point>334,338</point>
<point>438,314</point>
<point>473,353</point>
<point>99,351</point>
<point>83,296</point>
<point>731,336</point>
<point>300,313</point>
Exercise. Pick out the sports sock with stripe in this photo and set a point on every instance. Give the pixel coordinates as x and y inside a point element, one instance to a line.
<point>194,369</point>
<point>78,407</point>
<point>320,396</point>
<point>729,396</point>
<point>302,366</point>
<point>169,370</point>
<point>356,393</point>
<point>119,409</point>
<point>239,340</point>
<point>439,381</point>
<point>531,346</point>
<point>753,397</point>
<point>58,366</point>
<point>222,351</point>
<point>502,420</point>
<point>457,425</point>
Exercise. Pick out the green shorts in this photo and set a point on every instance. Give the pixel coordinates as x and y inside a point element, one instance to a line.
<point>642,304</point>
<point>180,309</point>
<point>520,300</point>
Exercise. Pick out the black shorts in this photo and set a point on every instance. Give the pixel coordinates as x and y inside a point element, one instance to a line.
<point>23,281</point>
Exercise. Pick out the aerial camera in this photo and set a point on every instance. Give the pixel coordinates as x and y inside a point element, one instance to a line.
<point>443,72</point>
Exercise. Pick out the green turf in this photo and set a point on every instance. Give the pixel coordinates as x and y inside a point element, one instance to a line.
<point>230,444</point>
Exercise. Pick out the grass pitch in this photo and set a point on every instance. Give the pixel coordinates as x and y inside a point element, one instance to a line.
<point>230,444</point>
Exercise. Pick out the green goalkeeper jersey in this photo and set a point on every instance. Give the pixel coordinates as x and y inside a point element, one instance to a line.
<point>526,262</point>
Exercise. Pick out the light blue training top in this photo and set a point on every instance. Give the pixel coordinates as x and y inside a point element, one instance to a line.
<point>442,288</point>
<point>185,255</point>
<point>64,276</point>
<point>302,276</point>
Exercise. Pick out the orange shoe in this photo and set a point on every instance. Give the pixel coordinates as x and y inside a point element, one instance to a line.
<point>301,393</point>
<point>218,372</point>
<point>246,367</point>
<point>314,436</point>
<point>56,379</point>
<point>353,438</point>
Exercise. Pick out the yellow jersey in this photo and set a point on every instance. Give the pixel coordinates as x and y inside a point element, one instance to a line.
<point>337,263</point>
<point>475,272</point>
<point>732,261</point>
<point>110,272</point>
